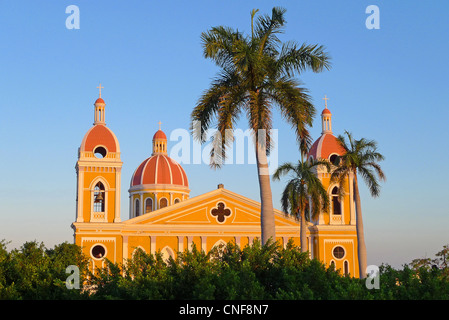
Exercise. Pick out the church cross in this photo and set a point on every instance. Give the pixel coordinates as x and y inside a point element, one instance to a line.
<point>100,87</point>
<point>221,212</point>
<point>325,101</point>
<point>159,123</point>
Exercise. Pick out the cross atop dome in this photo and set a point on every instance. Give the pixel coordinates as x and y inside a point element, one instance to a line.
<point>325,101</point>
<point>100,87</point>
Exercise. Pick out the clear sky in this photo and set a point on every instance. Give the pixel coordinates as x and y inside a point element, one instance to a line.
<point>388,84</point>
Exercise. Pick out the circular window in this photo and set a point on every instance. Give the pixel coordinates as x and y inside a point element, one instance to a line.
<point>100,152</point>
<point>338,252</point>
<point>98,251</point>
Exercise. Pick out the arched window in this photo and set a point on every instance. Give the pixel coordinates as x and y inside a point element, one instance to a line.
<point>137,208</point>
<point>99,197</point>
<point>100,152</point>
<point>139,251</point>
<point>336,205</point>
<point>346,267</point>
<point>334,159</point>
<point>167,252</point>
<point>163,203</point>
<point>177,201</point>
<point>148,205</point>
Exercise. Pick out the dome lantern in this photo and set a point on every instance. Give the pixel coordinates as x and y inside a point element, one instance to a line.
<point>326,118</point>
<point>99,104</point>
<point>159,142</point>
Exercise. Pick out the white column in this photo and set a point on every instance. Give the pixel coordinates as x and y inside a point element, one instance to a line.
<point>141,204</point>
<point>237,241</point>
<point>181,243</point>
<point>156,201</point>
<point>204,243</point>
<point>131,207</point>
<point>189,242</point>
<point>117,194</point>
<point>309,241</point>
<point>352,220</point>
<point>125,249</point>
<point>153,244</point>
<point>80,212</point>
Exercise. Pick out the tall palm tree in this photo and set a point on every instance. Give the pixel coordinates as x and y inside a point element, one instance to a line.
<point>360,158</point>
<point>303,191</point>
<point>257,72</point>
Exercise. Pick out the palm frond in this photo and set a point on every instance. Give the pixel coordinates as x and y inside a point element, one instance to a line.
<point>304,189</point>
<point>362,158</point>
<point>293,59</point>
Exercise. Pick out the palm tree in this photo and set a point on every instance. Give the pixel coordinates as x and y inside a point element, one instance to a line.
<point>256,74</point>
<point>360,157</point>
<point>303,191</point>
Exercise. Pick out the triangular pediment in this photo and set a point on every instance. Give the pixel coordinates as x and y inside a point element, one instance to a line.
<point>219,207</point>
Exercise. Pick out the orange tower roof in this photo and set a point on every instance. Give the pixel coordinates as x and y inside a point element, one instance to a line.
<point>100,135</point>
<point>324,146</point>
<point>327,144</point>
<point>159,135</point>
<point>326,111</point>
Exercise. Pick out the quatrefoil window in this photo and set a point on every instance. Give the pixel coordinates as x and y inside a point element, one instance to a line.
<point>220,213</point>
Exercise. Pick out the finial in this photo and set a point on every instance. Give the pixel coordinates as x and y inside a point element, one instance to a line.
<point>100,87</point>
<point>325,101</point>
<point>159,125</point>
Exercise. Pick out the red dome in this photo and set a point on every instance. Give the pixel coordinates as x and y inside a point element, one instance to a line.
<point>99,100</point>
<point>159,135</point>
<point>100,135</point>
<point>159,169</point>
<point>326,111</point>
<point>326,145</point>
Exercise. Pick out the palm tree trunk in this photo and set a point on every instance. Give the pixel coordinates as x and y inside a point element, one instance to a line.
<point>303,232</point>
<point>266,212</point>
<point>361,248</point>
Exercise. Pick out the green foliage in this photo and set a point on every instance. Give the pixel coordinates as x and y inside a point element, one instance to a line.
<point>227,272</point>
<point>33,272</point>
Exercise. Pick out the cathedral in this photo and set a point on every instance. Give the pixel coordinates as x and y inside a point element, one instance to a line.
<point>163,218</point>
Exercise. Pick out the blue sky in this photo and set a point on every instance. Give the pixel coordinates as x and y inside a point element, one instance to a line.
<point>388,84</point>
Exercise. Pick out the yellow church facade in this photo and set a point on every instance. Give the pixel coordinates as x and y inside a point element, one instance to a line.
<point>163,218</point>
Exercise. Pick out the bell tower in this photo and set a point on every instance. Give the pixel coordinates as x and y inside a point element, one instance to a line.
<point>333,235</point>
<point>98,171</point>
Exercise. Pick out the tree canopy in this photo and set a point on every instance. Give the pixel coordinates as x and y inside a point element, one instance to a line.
<point>226,273</point>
